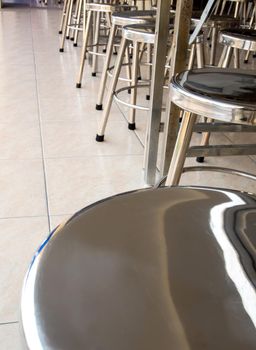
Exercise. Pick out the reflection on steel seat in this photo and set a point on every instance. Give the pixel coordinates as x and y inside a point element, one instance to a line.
<point>226,97</point>
<point>167,268</point>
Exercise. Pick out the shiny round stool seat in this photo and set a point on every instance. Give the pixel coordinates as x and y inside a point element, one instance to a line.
<point>132,17</point>
<point>243,39</point>
<point>224,94</point>
<point>235,40</point>
<point>218,95</point>
<point>168,268</point>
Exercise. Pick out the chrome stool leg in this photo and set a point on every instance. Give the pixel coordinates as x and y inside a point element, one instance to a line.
<point>84,47</point>
<point>95,43</point>
<point>128,68</point>
<point>78,21</point>
<point>181,147</point>
<point>149,70</point>
<point>213,46</point>
<point>65,25</point>
<point>74,16</point>
<point>236,59</point>
<point>227,57</point>
<point>112,87</point>
<point>135,65</point>
<point>64,12</point>
<point>69,20</point>
<point>105,67</point>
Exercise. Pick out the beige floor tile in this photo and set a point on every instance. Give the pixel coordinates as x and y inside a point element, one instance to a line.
<point>20,141</point>
<point>13,110</point>
<point>74,108</point>
<point>75,183</point>
<point>22,188</point>
<point>19,239</point>
<point>64,109</point>
<point>26,90</point>
<point>77,139</point>
<point>10,337</point>
<point>56,220</point>
<point>26,59</point>
<point>12,74</point>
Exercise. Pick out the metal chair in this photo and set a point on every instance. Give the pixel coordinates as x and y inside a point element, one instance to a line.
<point>138,35</point>
<point>214,24</point>
<point>95,10</point>
<point>221,95</point>
<point>234,41</point>
<point>167,268</point>
<point>119,20</point>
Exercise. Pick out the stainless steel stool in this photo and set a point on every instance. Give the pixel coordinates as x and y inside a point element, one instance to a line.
<point>168,268</point>
<point>238,7</point>
<point>137,34</point>
<point>221,95</point>
<point>235,40</point>
<point>98,9</point>
<point>70,24</point>
<point>214,24</point>
<point>119,20</point>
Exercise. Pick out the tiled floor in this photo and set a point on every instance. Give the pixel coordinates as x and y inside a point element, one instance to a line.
<point>50,164</point>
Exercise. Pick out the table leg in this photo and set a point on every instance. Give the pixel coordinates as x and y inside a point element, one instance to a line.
<point>160,48</point>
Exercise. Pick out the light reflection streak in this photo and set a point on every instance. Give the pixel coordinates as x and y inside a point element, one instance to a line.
<point>233,265</point>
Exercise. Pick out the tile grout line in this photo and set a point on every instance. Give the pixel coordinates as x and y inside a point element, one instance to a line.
<point>40,127</point>
<point>8,323</point>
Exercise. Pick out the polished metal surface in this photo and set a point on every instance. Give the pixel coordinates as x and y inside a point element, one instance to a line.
<point>98,7</point>
<point>243,39</point>
<point>144,33</point>
<point>170,268</point>
<point>223,94</point>
<point>132,17</point>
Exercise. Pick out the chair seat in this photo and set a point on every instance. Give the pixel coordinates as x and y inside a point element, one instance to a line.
<point>242,33</point>
<point>242,39</point>
<point>172,268</point>
<point>224,94</point>
<point>132,17</point>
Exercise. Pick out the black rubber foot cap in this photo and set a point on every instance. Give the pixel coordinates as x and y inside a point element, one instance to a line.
<point>139,78</point>
<point>75,44</point>
<point>99,138</point>
<point>72,39</point>
<point>131,126</point>
<point>104,50</point>
<point>61,50</point>
<point>99,108</point>
<point>254,55</point>
<point>129,91</point>
<point>245,61</point>
<point>115,53</point>
<point>78,85</point>
<point>147,97</point>
<point>60,31</point>
<point>67,37</point>
<point>200,159</point>
<point>93,74</point>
